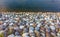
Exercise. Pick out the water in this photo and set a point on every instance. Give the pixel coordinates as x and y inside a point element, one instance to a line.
<point>34,5</point>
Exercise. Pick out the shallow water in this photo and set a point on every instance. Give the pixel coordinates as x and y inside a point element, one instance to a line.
<point>44,5</point>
